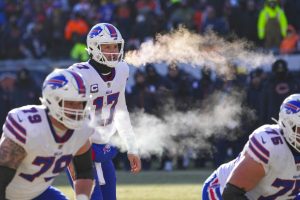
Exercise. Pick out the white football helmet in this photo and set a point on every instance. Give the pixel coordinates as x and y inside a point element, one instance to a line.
<point>104,33</point>
<point>65,85</point>
<point>289,120</point>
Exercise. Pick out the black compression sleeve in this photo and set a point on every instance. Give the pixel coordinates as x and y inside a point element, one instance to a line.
<point>232,192</point>
<point>83,165</point>
<point>6,175</point>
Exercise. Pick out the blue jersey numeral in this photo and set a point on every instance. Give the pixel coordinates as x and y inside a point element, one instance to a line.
<point>285,186</point>
<point>112,100</point>
<point>33,118</point>
<point>46,163</point>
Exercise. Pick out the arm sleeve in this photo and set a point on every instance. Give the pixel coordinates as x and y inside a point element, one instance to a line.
<point>123,125</point>
<point>122,119</point>
<point>6,174</point>
<point>232,192</point>
<point>83,165</point>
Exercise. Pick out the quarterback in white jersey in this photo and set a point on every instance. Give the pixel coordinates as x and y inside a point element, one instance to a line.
<point>39,142</point>
<point>269,165</point>
<point>106,74</point>
<point>109,103</point>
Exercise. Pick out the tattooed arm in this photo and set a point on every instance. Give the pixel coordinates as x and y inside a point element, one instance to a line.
<point>11,155</point>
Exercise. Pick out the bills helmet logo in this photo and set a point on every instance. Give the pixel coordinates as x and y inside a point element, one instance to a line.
<point>56,82</point>
<point>106,149</point>
<point>95,32</point>
<point>292,107</point>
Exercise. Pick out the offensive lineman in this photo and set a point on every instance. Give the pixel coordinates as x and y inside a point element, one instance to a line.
<point>39,141</point>
<point>269,165</point>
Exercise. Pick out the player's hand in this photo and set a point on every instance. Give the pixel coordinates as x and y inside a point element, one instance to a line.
<point>135,163</point>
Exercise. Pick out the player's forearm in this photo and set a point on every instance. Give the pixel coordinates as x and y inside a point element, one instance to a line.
<point>130,141</point>
<point>123,125</point>
<point>84,176</point>
<point>11,155</point>
<point>83,188</point>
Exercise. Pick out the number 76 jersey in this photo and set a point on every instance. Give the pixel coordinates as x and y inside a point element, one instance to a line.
<point>281,163</point>
<point>47,154</point>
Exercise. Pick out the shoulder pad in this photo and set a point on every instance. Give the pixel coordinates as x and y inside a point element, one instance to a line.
<point>14,126</point>
<point>82,65</point>
<point>263,141</point>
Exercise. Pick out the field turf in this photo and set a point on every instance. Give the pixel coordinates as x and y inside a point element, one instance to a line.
<point>152,185</point>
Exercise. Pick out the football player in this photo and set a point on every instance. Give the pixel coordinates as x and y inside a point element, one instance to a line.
<point>39,141</point>
<point>106,73</point>
<point>269,165</point>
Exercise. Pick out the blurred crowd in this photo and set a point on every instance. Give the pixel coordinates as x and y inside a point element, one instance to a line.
<point>263,92</point>
<point>178,90</point>
<point>57,28</point>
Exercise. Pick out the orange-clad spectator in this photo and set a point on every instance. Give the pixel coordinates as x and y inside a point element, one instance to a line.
<point>76,25</point>
<point>290,43</point>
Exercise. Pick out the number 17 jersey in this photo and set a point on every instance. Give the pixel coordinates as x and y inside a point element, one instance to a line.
<point>108,92</point>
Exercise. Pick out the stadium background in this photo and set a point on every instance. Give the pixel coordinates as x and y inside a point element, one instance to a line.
<point>37,36</point>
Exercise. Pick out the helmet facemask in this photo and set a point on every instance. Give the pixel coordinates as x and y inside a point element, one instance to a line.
<point>291,132</point>
<point>107,58</point>
<point>73,117</point>
<point>289,120</point>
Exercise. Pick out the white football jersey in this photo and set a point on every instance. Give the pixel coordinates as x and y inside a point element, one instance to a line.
<point>108,93</point>
<point>224,171</point>
<point>281,163</point>
<point>267,146</point>
<point>47,153</point>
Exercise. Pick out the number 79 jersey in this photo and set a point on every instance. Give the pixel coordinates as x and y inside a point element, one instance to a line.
<point>47,154</point>
<point>281,163</point>
<point>109,102</point>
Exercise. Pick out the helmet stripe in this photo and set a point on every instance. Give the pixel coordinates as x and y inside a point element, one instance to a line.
<point>79,82</point>
<point>112,31</point>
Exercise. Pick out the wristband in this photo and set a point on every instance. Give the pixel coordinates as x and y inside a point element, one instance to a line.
<point>82,197</point>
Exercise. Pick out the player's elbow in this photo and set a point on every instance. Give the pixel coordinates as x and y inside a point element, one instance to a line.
<point>232,192</point>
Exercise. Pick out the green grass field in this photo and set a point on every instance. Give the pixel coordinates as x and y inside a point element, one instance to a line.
<point>153,185</point>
